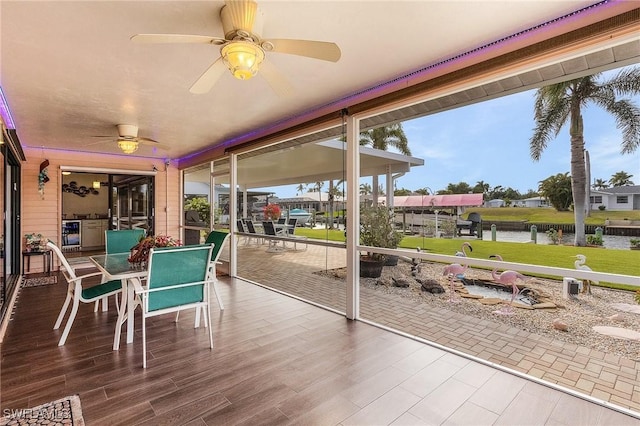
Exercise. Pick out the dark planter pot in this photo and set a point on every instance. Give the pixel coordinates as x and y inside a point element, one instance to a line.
<point>370,268</point>
<point>391,260</point>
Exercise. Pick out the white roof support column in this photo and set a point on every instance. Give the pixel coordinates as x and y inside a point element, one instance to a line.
<point>245,200</point>
<point>353,217</point>
<point>213,201</point>
<point>233,215</point>
<point>389,183</point>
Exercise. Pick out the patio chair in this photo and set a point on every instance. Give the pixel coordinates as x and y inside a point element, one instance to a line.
<point>282,221</point>
<point>218,239</point>
<point>118,241</point>
<point>270,231</point>
<point>241,228</point>
<point>252,230</point>
<point>292,222</point>
<point>121,241</point>
<point>77,293</point>
<point>178,279</point>
<point>291,231</point>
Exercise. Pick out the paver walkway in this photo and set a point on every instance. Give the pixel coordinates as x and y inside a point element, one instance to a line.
<point>603,376</point>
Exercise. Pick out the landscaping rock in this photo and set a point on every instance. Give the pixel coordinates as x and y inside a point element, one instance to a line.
<point>545,305</point>
<point>470,296</point>
<point>490,301</point>
<point>616,318</point>
<point>430,285</point>
<point>558,324</point>
<point>522,306</point>
<point>401,282</point>
<point>617,332</point>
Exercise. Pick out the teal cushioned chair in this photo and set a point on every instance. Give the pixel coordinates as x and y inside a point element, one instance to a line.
<point>77,293</point>
<point>121,241</point>
<point>218,239</point>
<point>178,279</point>
<point>118,241</point>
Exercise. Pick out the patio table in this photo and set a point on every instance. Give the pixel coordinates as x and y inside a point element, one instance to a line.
<point>116,266</point>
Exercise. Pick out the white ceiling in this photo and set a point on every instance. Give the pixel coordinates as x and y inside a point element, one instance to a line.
<point>69,71</point>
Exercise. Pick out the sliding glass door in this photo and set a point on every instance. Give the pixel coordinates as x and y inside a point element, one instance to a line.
<point>132,202</point>
<point>10,240</point>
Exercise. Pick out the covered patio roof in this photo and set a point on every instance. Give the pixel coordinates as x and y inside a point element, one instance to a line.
<point>311,162</point>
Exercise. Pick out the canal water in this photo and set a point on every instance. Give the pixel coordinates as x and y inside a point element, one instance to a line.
<point>608,241</point>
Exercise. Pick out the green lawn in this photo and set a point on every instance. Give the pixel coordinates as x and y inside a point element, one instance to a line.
<point>547,215</point>
<point>623,262</point>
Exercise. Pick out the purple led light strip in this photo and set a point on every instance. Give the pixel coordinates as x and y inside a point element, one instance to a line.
<point>5,112</point>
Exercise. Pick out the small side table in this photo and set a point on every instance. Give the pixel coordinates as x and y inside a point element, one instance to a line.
<point>46,258</point>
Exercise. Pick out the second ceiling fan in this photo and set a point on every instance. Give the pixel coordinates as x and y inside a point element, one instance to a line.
<point>242,50</point>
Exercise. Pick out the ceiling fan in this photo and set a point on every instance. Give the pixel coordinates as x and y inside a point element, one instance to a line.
<point>128,140</point>
<point>242,50</point>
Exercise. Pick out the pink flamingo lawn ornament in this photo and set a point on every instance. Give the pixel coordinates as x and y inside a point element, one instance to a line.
<point>452,271</point>
<point>507,278</point>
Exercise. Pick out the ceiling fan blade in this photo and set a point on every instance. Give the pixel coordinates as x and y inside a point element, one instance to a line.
<point>209,77</point>
<point>241,14</point>
<point>323,50</point>
<point>176,38</point>
<point>111,139</point>
<point>276,79</point>
<point>146,140</point>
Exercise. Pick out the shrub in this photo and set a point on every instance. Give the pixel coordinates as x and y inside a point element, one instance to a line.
<point>553,235</point>
<point>377,229</point>
<point>602,208</point>
<point>594,240</point>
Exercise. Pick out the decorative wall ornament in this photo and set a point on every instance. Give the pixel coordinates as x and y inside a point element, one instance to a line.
<point>43,177</point>
<point>81,191</point>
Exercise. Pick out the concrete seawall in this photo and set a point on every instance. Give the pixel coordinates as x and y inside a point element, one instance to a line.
<point>618,229</point>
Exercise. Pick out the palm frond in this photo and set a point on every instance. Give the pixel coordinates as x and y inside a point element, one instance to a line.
<point>552,113</point>
<point>626,82</point>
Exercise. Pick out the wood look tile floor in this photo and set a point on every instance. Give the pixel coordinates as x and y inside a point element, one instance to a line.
<point>276,361</point>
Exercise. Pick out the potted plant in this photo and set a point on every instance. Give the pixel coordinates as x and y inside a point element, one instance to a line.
<point>634,243</point>
<point>34,242</point>
<point>140,252</point>
<point>272,212</point>
<point>376,230</point>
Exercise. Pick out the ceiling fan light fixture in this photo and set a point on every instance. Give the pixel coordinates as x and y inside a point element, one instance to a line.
<point>243,58</point>
<point>128,146</point>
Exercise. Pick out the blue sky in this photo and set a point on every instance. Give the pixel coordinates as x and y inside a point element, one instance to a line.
<point>489,142</point>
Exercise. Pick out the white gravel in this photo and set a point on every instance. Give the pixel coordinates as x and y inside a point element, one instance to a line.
<point>603,308</point>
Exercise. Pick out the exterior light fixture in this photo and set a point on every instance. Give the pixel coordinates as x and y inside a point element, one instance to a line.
<point>96,184</point>
<point>243,58</point>
<point>128,146</point>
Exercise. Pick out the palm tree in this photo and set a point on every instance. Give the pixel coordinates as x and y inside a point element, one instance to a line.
<point>560,103</point>
<point>301,188</point>
<point>620,179</point>
<point>600,184</point>
<point>383,138</point>
<point>365,189</point>
<point>334,191</point>
<point>557,189</point>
